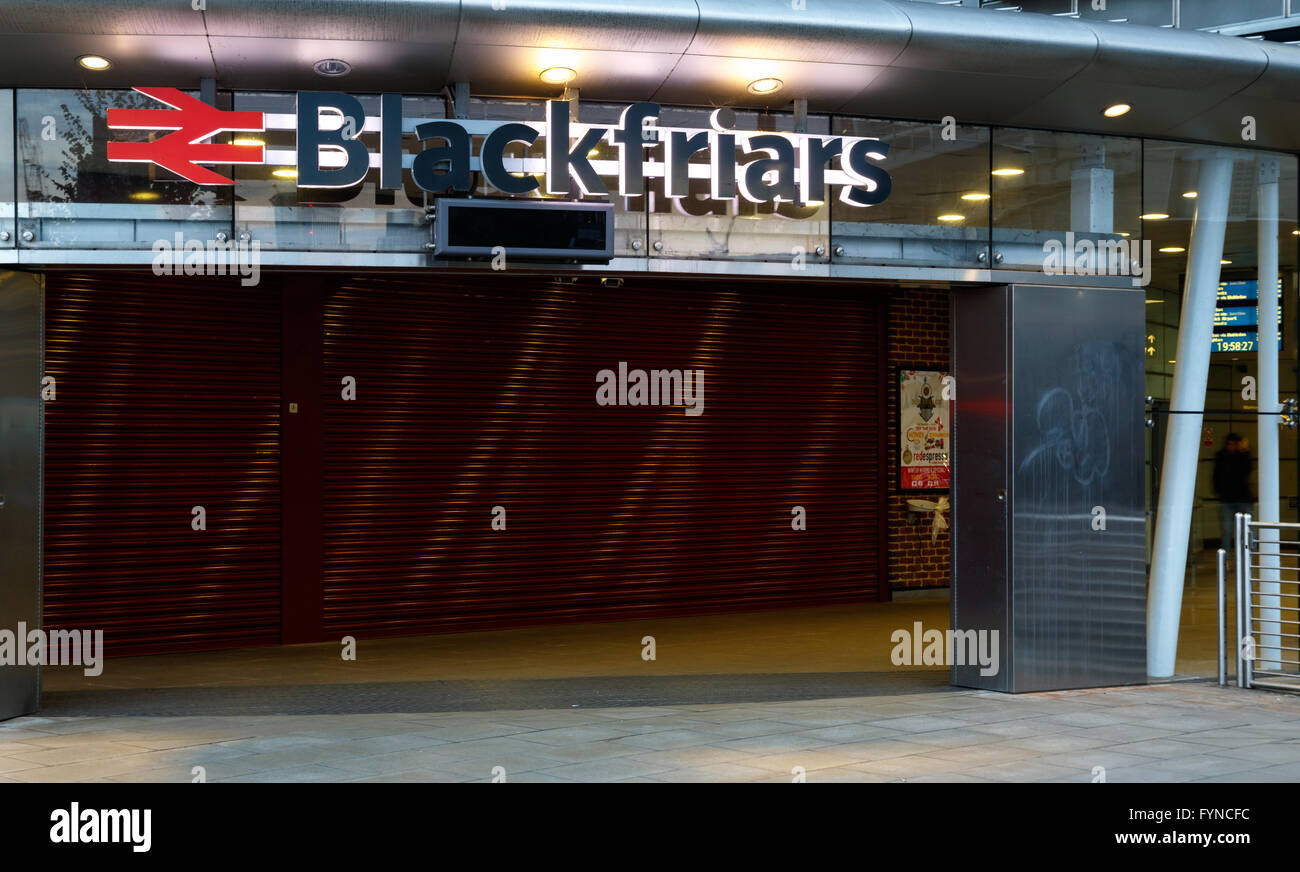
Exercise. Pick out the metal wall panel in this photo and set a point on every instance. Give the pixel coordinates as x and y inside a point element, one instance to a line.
<point>1050,412</point>
<point>20,479</point>
<point>1078,447</point>
<point>477,392</point>
<point>168,398</point>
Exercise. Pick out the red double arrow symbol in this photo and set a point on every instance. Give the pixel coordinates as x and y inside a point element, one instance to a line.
<point>181,151</point>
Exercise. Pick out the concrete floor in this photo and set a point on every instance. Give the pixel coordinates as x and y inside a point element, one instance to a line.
<point>748,697</point>
<point>1176,732</point>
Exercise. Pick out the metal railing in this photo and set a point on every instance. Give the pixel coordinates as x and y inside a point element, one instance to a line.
<point>1267,569</point>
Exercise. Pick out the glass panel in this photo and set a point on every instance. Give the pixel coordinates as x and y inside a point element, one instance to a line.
<point>1046,185</point>
<point>702,228</point>
<point>1155,13</point>
<point>8,178</point>
<point>937,213</point>
<point>70,196</point>
<point>277,214</point>
<point>1169,205</point>
<point>1195,14</point>
<point>1171,182</point>
<point>629,212</point>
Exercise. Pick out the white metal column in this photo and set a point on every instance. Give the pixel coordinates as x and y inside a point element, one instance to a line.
<point>1269,493</point>
<point>1182,442</point>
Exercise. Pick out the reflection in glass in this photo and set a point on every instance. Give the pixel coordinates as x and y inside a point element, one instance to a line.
<point>937,213</point>
<point>699,226</point>
<point>70,196</point>
<point>1079,192</point>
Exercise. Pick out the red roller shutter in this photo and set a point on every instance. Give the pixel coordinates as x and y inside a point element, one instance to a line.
<point>476,392</point>
<point>168,398</point>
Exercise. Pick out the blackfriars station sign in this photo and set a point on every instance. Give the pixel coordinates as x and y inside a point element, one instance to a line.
<point>758,166</point>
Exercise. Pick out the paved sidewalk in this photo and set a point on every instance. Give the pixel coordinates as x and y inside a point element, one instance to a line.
<point>1192,731</point>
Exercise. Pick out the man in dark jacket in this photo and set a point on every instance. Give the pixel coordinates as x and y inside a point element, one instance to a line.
<point>1232,483</point>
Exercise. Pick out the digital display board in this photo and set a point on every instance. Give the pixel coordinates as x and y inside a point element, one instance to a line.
<point>1236,317</point>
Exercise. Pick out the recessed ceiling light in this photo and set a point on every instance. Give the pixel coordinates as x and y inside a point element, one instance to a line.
<point>94,62</point>
<point>1191,195</point>
<point>765,86</point>
<point>1122,232</point>
<point>1149,302</point>
<point>593,152</point>
<point>285,173</point>
<point>144,195</point>
<point>1171,249</point>
<point>952,217</point>
<point>1009,171</point>
<point>1295,232</point>
<point>974,196</point>
<point>558,75</point>
<point>247,140</point>
<point>332,67</point>
<point>1154,216</point>
<point>1225,261</point>
<point>1117,110</point>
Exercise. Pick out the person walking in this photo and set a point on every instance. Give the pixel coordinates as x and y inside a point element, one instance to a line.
<point>1232,465</point>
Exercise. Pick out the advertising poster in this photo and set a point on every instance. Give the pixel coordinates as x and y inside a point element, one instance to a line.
<point>923,430</point>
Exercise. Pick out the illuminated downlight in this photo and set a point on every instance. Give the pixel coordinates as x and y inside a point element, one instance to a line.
<point>558,75</point>
<point>94,62</point>
<point>765,86</point>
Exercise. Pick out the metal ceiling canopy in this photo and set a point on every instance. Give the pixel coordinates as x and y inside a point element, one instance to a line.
<point>887,58</point>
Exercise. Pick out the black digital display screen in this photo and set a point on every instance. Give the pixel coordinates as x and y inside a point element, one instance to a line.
<point>552,230</point>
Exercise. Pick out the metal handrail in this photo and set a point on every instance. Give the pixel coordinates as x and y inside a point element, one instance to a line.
<point>1259,619</point>
<point>1222,558</point>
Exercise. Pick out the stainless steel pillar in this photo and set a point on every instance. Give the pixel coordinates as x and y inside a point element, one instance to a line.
<point>20,479</point>
<point>1182,438</point>
<point>1049,526</point>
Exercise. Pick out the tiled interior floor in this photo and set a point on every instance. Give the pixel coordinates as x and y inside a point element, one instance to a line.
<point>853,638</point>
<point>749,697</point>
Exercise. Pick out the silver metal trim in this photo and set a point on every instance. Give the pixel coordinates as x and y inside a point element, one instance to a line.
<point>1222,556</point>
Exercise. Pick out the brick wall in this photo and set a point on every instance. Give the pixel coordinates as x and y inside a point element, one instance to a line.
<point>918,337</point>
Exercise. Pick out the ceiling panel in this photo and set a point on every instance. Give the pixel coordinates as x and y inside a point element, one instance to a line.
<point>268,64</point>
<point>50,61</point>
<point>95,17</point>
<point>1167,82</point>
<point>972,98</point>
<point>1270,100</point>
<point>995,43</point>
<point>655,26</point>
<point>864,32</point>
<point>602,75</point>
<point>724,81</point>
<point>347,20</point>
